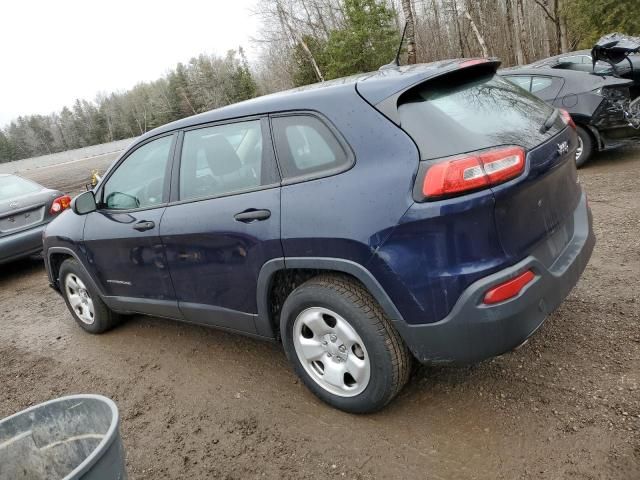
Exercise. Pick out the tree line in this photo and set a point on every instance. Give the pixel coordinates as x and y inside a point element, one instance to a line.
<point>204,83</point>
<point>324,39</point>
<point>307,41</point>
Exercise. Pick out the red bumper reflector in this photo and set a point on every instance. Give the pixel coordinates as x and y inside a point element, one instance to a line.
<point>509,289</point>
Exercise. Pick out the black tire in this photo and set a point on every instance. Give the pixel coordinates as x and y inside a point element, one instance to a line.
<point>103,318</point>
<point>389,359</point>
<point>587,146</point>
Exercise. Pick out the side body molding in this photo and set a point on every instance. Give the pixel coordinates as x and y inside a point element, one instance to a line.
<point>264,325</point>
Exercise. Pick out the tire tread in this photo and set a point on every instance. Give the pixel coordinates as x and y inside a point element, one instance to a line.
<point>355,292</point>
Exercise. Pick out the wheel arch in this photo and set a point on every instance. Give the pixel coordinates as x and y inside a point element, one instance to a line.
<point>302,268</point>
<point>598,143</point>
<point>56,256</point>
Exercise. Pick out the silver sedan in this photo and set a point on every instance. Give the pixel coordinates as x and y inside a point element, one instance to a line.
<point>25,209</point>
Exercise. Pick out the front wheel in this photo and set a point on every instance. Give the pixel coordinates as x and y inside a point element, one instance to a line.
<point>342,345</point>
<point>83,300</point>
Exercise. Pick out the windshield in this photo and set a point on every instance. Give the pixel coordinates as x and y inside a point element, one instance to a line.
<point>457,115</point>
<point>13,187</point>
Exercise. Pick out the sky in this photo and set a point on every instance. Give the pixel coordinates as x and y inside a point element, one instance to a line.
<point>56,51</point>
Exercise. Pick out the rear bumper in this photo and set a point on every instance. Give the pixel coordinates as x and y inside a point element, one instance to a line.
<point>21,244</point>
<point>473,331</point>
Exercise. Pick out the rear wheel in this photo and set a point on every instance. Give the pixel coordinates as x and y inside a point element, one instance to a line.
<point>83,300</point>
<point>585,146</point>
<point>342,345</point>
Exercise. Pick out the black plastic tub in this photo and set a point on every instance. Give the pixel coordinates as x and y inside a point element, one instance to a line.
<point>75,437</point>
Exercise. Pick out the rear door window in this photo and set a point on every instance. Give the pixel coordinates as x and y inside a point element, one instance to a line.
<point>547,88</point>
<point>224,159</point>
<point>307,147</point>
<point>454,114</point>
<point>523,81</point>
<point>540,83</point>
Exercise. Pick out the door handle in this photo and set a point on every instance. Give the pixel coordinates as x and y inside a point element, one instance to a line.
<point>251,215</point>
<point>144,225</point>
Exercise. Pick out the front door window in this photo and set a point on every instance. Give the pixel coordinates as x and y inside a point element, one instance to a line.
<point>139,181</point>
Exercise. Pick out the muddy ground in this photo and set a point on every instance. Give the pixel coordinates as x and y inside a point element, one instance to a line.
<point>198,403</point>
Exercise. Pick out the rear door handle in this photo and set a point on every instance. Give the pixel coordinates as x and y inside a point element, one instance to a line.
<point>252,215</point>
<point>144,225</point>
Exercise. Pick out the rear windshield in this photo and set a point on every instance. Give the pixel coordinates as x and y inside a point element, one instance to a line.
<point>455,115</point>
<point>12,187</point>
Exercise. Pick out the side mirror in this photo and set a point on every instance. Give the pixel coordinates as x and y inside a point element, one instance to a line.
<point>84,203</point>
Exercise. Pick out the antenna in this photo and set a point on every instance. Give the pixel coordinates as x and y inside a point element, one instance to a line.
<point>397,59</point>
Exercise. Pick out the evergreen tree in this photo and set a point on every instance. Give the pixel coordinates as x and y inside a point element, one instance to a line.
<point>591,19</point>
<point>368,40</point>
<point>243,85</point>
<point>7,149</point>
<point>305,73</point>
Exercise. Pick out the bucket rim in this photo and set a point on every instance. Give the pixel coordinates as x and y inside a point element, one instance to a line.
<point>104,444</point>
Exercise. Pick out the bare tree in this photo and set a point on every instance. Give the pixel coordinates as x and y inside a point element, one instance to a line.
<point>552,9</point>
<point>410,31</point>
<point>479,37</point>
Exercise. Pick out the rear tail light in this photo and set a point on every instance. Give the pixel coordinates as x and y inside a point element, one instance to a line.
<point>472,172</point>
<point>566,118</point>
<point>509,289</point>
<point>60,204</point>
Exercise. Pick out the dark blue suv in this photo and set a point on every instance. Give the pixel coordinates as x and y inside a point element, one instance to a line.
<point>429,212</point>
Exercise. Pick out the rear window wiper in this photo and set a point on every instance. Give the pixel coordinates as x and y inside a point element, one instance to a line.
<point>548,123</point>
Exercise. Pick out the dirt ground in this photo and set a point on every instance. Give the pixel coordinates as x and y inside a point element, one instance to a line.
<point>198,403</point>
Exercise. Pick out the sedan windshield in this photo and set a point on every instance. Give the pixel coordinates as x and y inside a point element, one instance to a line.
<point>13,187</point>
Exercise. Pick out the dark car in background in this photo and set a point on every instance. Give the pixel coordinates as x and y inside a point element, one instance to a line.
<point>600,105</point>
<point>25,209</point>
<point>428,212</point>
<point>614,54</point>
<point>582,61</point>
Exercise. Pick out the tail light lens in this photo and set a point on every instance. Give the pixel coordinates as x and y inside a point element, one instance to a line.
<point>60,204</point>
<point>472,172</point>
<point>566,118</point>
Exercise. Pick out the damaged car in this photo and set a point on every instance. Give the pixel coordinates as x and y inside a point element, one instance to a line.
<point>603,99</point>
<point>622,53</point>
<point>607,113</point>
<point>600,105</point>
<point>615,55</point>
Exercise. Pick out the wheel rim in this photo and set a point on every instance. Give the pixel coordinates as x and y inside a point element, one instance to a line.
<point>331,352</point>
<point>79,299</point>
<point>579,149</point>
